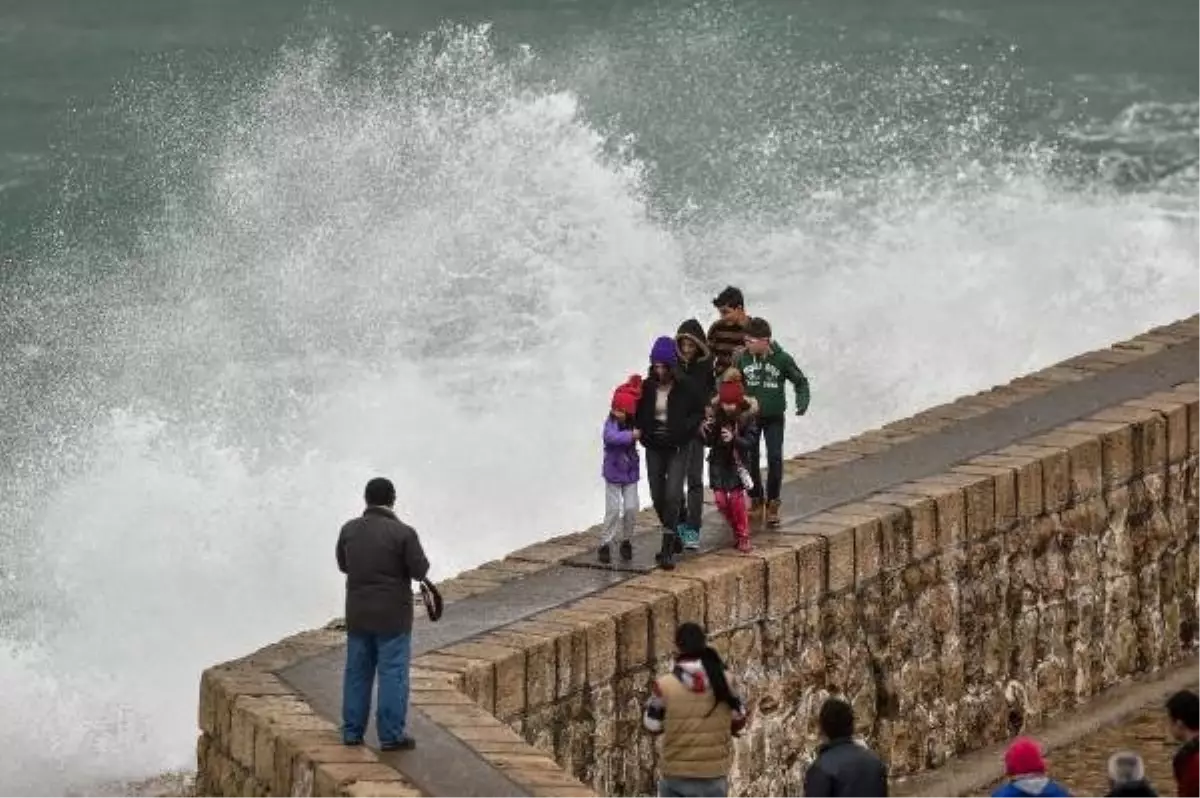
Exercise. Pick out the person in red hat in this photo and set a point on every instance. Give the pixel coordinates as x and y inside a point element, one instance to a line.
<point>730,433</point>
<point>621,470</point>
<point>1026,771</point>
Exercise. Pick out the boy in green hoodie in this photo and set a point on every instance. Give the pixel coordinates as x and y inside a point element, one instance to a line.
<point>765,367</point>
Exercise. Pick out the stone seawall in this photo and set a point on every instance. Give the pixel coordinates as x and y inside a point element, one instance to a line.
<point>971,571</point>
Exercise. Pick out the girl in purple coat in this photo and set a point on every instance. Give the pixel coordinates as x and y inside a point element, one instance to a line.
<point>621,471</point>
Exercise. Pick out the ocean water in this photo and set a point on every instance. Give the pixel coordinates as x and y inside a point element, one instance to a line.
<point>255,253</point>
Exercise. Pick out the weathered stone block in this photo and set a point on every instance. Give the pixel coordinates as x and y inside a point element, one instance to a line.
<point>478,675</point>
<point>1148,433</point>
<point>1004,490</point>
<point>836,539</point>
<point>541,664</point>
<point>380,789</point>
<point>689,594</point>
<point>782,580</point>
<point>1116,442</point>
<point>1028,464</point>
<point>895,513</point>
<point>951,507</point>
<point>632,620</point>
<point>734,588</point>
<point>868,538</point>
<point>601,634</point>
<point>331,777</point>
<point>660,606</point>
<point>1083,456</point>
<point>1174,411</point>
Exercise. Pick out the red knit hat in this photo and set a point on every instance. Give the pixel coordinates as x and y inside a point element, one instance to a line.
<point>731,393</point>
<point>1024,756</point>
<point>626,396</point>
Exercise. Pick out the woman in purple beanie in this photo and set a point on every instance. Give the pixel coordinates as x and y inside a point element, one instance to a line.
<point>669,414</point>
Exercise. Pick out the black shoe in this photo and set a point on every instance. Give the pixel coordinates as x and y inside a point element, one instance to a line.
<point>351,743</point>
<point>626,550</point>
<point>666,554</point>
<point>405,743</point>
<point>604,555</point>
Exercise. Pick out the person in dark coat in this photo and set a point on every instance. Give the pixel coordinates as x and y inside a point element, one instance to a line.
<point>730,433</point>
<point>843,766</point>
<point>1127,776</point>
<point>695,365</point>
<point>381,557</point>
<point>1183,710</point>
<point>668,416</point>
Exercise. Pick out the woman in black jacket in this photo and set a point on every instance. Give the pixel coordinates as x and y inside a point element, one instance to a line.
<point>669,416</point>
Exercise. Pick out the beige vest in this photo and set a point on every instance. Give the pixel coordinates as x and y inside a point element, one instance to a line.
<point>696,744</point>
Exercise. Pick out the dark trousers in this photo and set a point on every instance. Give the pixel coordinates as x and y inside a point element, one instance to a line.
<point>666,470</point>
<point>692,507</point>
<point>772,430</point>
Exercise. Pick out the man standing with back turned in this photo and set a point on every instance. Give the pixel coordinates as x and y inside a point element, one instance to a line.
<point>381,557</point>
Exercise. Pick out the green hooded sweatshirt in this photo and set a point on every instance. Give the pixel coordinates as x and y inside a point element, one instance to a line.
<point>764,377</point>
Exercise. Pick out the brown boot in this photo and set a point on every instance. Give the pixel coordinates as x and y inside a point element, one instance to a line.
<point>773,513</point>
<point>757,506</point>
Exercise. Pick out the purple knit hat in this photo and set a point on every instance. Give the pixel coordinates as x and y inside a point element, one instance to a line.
<point>664,351</point>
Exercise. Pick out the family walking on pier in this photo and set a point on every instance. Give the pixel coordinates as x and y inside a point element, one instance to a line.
<point>724,392</point>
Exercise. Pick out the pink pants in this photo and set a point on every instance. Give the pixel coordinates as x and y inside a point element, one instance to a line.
<point>732,505</point>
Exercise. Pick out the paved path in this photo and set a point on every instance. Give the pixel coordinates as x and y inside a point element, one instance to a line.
<point>319,678</point>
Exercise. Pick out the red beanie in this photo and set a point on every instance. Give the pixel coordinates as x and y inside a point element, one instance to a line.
<point>1024,756</point>
<point>625,397</point>
<point>731,392</point>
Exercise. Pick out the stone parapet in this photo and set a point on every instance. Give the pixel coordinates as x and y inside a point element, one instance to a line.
<point>951,609</point>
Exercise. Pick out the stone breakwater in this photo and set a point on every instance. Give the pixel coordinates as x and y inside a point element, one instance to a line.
<point>953,606</point>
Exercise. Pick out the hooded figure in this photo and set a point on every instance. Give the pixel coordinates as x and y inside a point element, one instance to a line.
<point>1127,776</point>
<point>694,366</point>
<point>695,358</point>
<point>1026,771</point>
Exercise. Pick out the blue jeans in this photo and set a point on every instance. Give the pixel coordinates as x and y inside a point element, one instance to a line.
<point>693,788</point>
<point>364,654</point>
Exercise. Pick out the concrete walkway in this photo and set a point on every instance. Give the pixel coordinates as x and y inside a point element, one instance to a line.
<point>444,766</point>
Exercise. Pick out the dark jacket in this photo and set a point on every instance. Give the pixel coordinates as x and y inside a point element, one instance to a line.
<point>685,411</point>
<point>1186,764</point>
<point>843,767</point>
<point>700,369</point>
<point>1133,789</point>
<point>722,465</point>
<point>381,557</point>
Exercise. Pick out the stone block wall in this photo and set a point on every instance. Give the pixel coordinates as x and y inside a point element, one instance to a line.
<point>950,610</point>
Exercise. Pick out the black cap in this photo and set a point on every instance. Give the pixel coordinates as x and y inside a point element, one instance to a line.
<point>730,297</point>
<point>758,328</point>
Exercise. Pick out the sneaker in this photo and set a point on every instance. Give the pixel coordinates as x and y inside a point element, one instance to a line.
<point>626,550</point>
<point>405,743</point>
<point>605,555</point>
<point>690,537</point>
<point>743,545</point>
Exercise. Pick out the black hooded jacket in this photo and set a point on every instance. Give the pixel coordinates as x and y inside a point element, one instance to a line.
<point>699,371</point>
